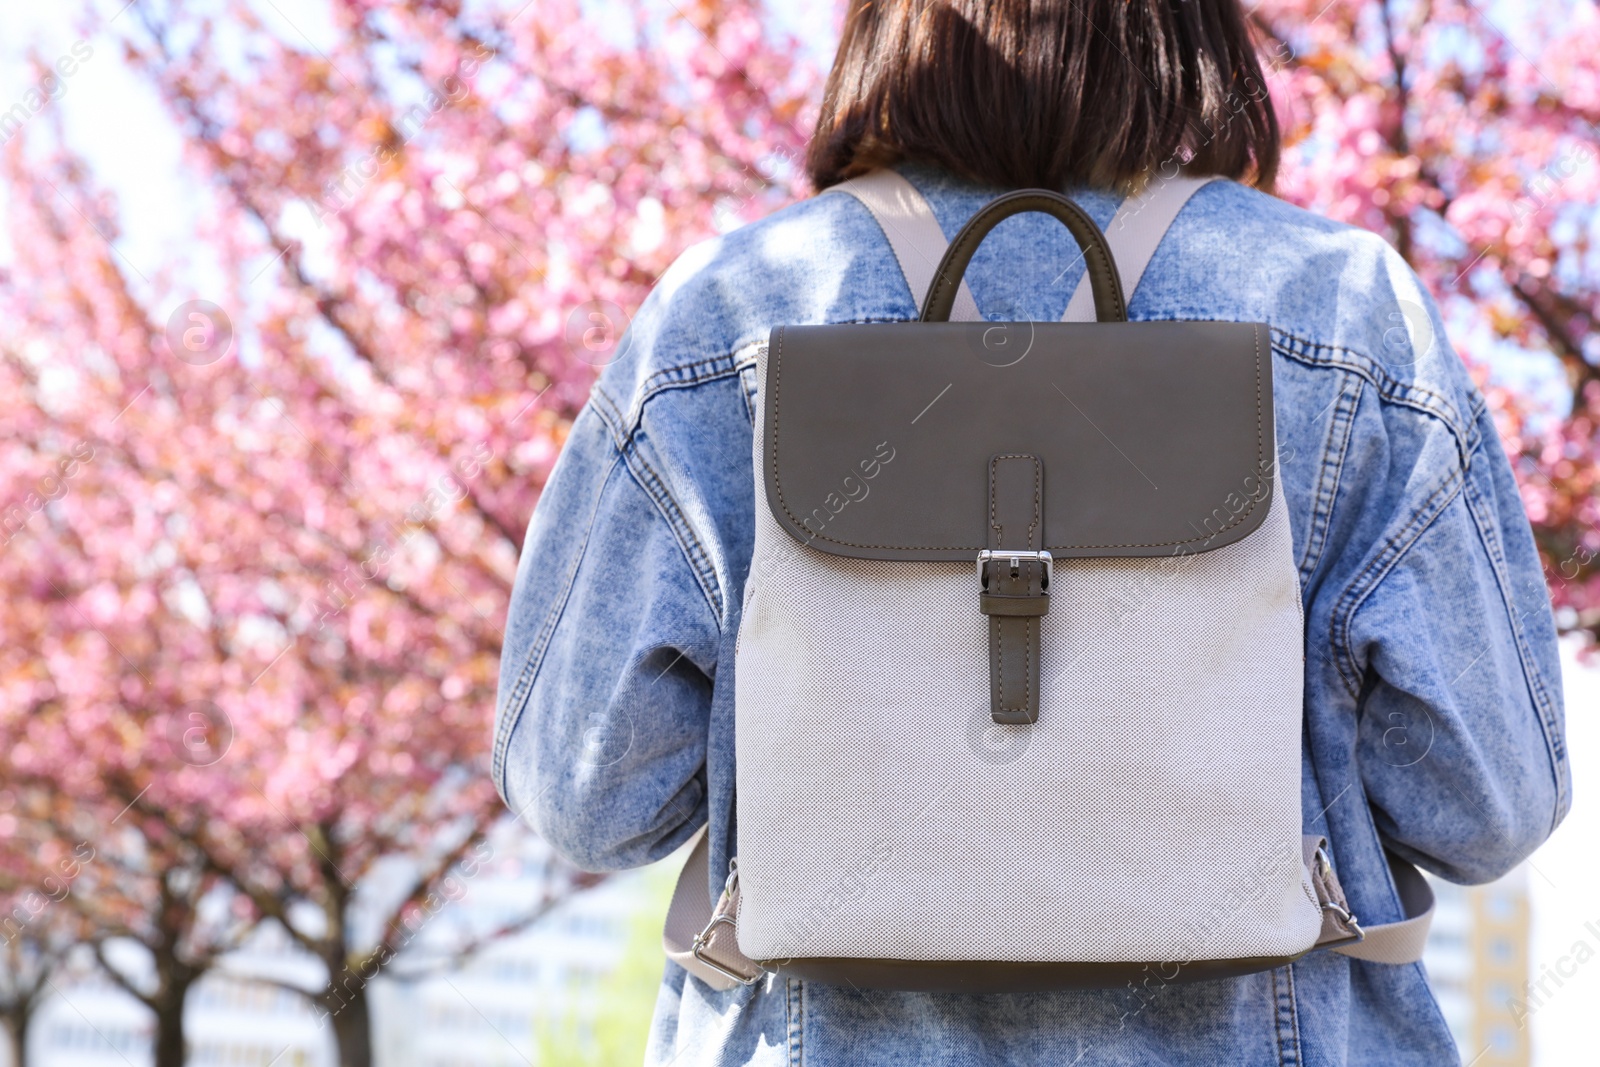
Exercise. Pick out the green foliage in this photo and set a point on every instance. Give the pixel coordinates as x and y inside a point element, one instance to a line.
<point>609,1025</point>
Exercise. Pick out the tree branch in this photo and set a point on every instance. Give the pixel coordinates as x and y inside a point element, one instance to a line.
<point>1562,320</point>
<point>97,946</point>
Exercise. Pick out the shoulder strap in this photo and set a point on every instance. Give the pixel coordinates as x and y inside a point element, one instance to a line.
<point>690,935</point>
<point>913,232</point>
<point>1135,232</point>
<point>918,242</point>
<point>1401,941</point>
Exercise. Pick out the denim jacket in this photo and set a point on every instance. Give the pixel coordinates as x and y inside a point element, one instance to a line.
<point>1433,719</point>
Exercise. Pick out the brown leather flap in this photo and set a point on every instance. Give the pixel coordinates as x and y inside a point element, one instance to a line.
<point>1156,438</point>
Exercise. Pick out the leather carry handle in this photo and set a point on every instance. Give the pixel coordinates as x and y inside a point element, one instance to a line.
<point>1106,284</point>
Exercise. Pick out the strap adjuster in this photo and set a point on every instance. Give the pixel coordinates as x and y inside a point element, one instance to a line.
<point>1325,880</point>
<point>1014,558</point>
<point>721,917</point>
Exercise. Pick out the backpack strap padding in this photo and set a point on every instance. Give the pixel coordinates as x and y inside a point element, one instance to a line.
<point>1135,233</point>
<point>913,232</point>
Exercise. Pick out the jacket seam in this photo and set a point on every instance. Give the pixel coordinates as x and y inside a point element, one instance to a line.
<point>1474,413</point>
<point>1286,1017</point>
<point>624,424</point>
<point>747,356</point>
<point>1294,1014</point>
<point>1533,678</point>
<point>1394,549</point>
<point>655,488</point>
<point>625,436</point>
<point>610,415</point>
<point>1276,1001</point>
<point>794,1009</point>
<point>1419,398</point>
<point>1330,473</point>
<point>516,702</point>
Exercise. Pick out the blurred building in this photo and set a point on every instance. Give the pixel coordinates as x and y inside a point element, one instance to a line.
<point>486,1013</point>
<point>1478,965</point>
<point>481,1012</point>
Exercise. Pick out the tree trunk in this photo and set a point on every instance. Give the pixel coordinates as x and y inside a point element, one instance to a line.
<point>16,1024</point>
<point>352,1028</point>
<point>169,1046</point>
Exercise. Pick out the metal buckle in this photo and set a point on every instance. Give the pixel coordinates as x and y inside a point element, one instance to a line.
<point>1324,864</point>
<point>1015,557</point>
<point>1325,868</point>
<point>718,918</point>
<point>1357,934</point>
<point>703,939</point>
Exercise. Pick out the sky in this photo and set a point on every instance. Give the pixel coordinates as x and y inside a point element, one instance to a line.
<point>109,114</point>
<point>116,120</point>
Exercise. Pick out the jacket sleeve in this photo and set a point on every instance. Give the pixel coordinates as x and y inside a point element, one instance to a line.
<point>605,677</point>
<point>1459,737</point>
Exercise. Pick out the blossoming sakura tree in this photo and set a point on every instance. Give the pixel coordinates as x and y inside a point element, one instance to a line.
<point>1468,139</point>
<point>263,508</point>
<point>261,504</point>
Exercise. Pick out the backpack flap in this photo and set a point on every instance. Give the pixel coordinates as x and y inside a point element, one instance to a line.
<point>1153,438</point>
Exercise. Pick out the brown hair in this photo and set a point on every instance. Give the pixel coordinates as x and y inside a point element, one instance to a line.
<point>1047,93</point>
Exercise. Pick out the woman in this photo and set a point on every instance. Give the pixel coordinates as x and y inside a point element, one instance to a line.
<point>1433,724</point>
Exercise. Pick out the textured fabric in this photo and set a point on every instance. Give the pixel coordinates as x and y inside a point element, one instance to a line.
<point>1432,720</point>
<point>883,813</point>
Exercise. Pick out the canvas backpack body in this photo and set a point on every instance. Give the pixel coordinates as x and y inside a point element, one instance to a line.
<point>1019,673</point>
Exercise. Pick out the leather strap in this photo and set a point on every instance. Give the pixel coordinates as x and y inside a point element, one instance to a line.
<point>1014,588</point>
<point>1104,279</point>
<point>913,232</point>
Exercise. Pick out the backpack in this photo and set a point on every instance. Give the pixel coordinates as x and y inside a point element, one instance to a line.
<point>1019,675</point>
